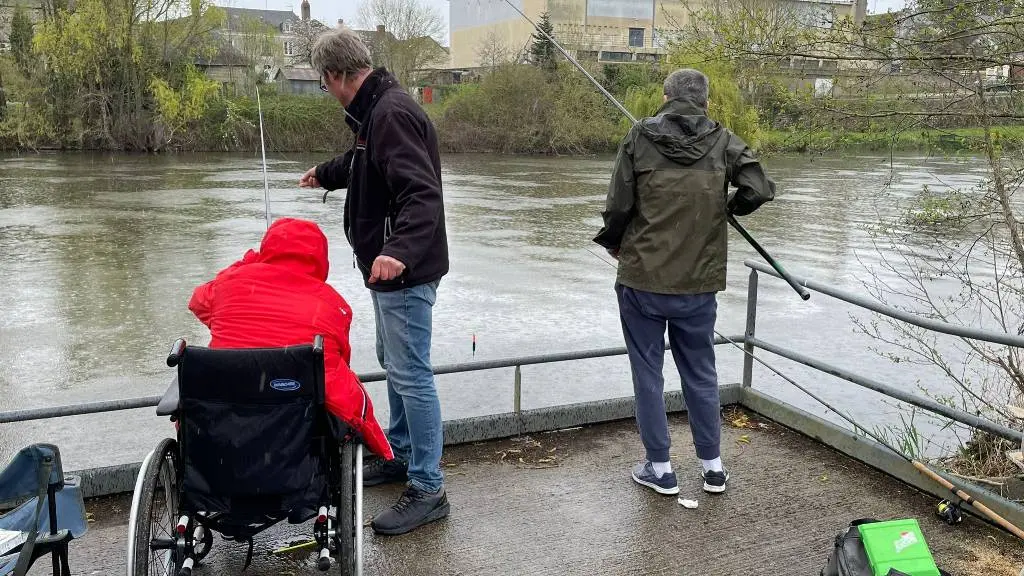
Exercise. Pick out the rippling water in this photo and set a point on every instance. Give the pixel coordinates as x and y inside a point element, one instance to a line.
<point>99,254</point>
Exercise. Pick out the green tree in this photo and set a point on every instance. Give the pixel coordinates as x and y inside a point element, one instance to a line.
<point>101,57</point>
<point>726,103</point>
<point>21,37</point>
<point>180,108</point>
<point>542,51</point>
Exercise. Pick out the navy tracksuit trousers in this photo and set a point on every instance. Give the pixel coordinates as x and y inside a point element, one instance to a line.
<point>690,320</point>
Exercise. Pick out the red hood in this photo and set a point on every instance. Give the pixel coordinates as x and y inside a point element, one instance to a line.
<point>298,245</point>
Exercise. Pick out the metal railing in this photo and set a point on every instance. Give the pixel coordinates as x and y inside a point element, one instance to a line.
<point>749,340</point>
<point>751,343</point>
<point>29,414</point>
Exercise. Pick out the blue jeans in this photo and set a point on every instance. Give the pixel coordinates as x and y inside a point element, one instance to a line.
<point>403,321</point>
<point>690,320</point>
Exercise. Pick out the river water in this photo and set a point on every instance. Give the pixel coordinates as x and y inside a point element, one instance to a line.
<point>99,254</point>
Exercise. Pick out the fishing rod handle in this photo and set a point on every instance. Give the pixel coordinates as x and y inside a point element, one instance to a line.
<point>985,510</point>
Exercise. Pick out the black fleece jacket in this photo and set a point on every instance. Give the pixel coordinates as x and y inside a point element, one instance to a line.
<point>394,205</point>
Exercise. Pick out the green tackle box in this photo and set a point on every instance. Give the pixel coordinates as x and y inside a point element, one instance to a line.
<point>900,545</point>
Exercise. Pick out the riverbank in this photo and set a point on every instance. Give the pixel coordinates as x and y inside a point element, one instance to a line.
<point>924,140</point>
<point>296,124</point>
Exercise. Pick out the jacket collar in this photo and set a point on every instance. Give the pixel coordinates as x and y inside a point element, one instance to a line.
<point>374,86</point>
<point>683,107</point>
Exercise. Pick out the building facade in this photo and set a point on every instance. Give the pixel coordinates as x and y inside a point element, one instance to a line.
<point>606,30</point>
<point>35,12</point>
<point>285,25</point>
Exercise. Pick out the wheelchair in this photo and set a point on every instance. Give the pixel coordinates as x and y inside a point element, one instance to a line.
<point>255,446</point>
<point>34,481</point>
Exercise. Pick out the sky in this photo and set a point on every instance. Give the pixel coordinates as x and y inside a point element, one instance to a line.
<point>328,11</point>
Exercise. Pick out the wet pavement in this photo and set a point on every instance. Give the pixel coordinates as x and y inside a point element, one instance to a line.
<point>563,503</point>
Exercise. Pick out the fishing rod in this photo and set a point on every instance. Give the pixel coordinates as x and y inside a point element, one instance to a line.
<point>801,290</point>
<point>263,150</point>
<point>921,467</point>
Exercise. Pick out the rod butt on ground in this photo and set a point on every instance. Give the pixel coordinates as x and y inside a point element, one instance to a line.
<point>984,510</point>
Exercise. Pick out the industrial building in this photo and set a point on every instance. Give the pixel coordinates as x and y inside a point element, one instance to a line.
<point>606,30</point>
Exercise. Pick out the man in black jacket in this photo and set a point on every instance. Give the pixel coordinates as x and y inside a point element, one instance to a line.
<point>394,220</point>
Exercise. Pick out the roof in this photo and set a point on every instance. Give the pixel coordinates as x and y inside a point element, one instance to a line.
<point>295,73</point>
<point>226,55</point>
<point>275,18</point>
<point>369,37</point>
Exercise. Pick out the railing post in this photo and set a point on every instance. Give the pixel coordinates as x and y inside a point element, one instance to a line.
<point>748,359</point>
<point>517,392</point>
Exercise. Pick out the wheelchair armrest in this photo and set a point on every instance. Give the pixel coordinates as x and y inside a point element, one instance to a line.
<point>168,405</point>
<point>48,540</point>
<point>177,349</point>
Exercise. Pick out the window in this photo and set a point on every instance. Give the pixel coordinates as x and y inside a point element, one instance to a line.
<point>289,49</point>
<point>636,37</point>
<point>616,56</point>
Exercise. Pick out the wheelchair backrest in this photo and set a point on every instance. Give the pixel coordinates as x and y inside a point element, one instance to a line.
<point>252,428</point>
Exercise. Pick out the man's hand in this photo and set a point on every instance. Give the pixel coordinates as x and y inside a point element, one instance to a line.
<point>385,268</point>
<point>308,180</point>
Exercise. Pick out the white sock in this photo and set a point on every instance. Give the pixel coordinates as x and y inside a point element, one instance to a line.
<point>710,465</point>
<point>661,468</point>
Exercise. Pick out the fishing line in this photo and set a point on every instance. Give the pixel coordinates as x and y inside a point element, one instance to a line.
<point>801,290</point>
<point>263,150</point>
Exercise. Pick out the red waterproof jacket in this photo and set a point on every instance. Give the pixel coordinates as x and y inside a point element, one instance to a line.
<point>279,297</point>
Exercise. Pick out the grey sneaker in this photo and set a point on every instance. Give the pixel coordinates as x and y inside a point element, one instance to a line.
<point>714,481</point>
<point>382,471</point>
<point>643,474</point>
<point>414,509</point>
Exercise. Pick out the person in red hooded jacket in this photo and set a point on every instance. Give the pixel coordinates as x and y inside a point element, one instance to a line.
<point>278,297</point>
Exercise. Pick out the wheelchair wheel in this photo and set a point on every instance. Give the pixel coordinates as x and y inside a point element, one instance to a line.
<point>152,521</point>
<point>349,511</point>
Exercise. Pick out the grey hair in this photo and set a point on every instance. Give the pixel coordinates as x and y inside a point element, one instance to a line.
<point>341,52</point>
<point>687,83</point>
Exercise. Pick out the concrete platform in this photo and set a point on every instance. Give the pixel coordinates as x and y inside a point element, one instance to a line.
<point>563,503</point>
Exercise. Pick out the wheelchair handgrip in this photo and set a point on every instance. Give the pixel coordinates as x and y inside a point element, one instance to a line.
<point>318,344</point>
<point>176,351</point>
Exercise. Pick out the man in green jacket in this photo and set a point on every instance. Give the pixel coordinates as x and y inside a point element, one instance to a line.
<point>666,224</point>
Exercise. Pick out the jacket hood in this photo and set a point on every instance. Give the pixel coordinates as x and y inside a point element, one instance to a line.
<point>298,245</point>
<point>682,131</point>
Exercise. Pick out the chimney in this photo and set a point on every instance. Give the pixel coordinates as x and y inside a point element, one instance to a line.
<point>341,23</point>
<point>305,10</point>
<point>380,29</point>
<point>860,11</point>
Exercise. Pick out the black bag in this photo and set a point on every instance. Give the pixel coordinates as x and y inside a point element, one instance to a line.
<point>849,557</point>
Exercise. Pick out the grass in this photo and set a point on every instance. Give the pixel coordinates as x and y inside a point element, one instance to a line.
<point>953,140</point>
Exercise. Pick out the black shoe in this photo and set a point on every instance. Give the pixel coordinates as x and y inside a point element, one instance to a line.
<point>414,509</point>
<point>385,472</point>
<point>715,480</point>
